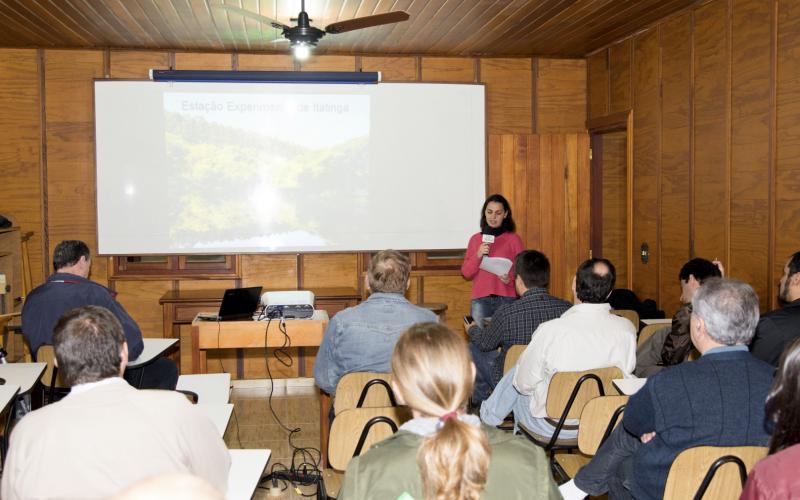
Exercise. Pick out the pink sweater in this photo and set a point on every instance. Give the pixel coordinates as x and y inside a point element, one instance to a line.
<point>484,283</point>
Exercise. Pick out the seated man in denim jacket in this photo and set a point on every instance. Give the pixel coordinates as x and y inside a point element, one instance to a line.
<point>361,338</point>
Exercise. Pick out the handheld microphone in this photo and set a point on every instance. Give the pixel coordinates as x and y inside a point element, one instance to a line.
<point>487,238</point>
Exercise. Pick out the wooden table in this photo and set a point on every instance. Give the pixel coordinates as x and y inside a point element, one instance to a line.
<point>252,334</point>
<point>180,307</point>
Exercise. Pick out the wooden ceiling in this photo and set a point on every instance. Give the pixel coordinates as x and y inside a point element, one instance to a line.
<point>436,27</point>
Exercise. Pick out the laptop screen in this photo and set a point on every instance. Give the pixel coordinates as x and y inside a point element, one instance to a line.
<point>239,303</point>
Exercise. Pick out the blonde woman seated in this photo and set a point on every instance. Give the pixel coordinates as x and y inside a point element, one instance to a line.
<point>444,453</point>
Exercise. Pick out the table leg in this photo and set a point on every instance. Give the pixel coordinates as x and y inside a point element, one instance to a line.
<point>324,425</point>
<point>198,357</point>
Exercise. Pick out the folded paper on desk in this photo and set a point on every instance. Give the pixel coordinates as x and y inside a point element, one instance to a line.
<point>496,265</point>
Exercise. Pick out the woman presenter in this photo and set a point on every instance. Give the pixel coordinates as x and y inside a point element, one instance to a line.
<point>491,288</point>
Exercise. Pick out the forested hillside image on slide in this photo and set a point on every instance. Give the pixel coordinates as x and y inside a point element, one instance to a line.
<point>241,188</point>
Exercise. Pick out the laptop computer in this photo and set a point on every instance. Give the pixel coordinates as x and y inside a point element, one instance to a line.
<point>238,304</point>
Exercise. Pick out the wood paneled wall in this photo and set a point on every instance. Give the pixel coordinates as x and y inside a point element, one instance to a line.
<point>715,93</point>
<point>546,180</point>
<point>47,160</point>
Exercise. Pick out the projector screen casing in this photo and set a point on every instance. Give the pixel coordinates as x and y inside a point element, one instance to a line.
<point>293,168</point>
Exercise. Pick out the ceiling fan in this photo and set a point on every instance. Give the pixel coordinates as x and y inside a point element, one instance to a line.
<point>303,37</point>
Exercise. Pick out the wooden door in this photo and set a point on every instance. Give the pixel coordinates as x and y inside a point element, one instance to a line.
<point>610,185</point>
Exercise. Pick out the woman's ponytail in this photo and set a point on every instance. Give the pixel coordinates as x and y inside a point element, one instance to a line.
<point>434,373</point>
<point>454,461</point>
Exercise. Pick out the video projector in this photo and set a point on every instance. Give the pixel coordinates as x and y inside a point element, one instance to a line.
<point>293,304</point>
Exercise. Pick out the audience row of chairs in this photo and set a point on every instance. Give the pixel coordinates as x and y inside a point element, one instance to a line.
<point>366,413</point>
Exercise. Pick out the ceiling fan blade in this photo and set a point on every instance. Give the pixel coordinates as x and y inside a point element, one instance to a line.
<point>366,22</point>
<point>252,15</point>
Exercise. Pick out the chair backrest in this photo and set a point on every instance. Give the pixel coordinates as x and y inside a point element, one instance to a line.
<point>595,420</point>
<point>563,383</point>
<point>691,466</point>
<point>512,355</point>
<point>648,332</point>
<point>46,354</point>
<point>349,425</point>
<point>628,314</point>
<point>351,386</point>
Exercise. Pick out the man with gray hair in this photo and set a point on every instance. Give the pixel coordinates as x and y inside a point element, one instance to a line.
<point>717,400</point>
<point>361,338</point>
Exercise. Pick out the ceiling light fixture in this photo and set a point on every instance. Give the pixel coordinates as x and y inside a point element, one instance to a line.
<point>301,51</point>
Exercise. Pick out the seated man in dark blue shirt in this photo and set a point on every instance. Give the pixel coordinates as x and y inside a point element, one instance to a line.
<point>717,400</point>
<point>70,288</point>
<point>779,328</point>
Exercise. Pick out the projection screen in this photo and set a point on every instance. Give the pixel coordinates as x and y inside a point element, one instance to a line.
<point>255,167</point>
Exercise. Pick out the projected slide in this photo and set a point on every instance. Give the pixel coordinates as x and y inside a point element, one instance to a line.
<point>271,150</point>
<point>209,167</point>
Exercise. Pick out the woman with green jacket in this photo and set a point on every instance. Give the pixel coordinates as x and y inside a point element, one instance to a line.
<point>444,453</point>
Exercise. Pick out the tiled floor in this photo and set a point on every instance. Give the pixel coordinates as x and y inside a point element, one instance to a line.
<point>253,425</point>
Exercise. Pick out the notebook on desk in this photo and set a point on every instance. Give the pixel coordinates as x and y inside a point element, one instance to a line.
<point>237,304</point>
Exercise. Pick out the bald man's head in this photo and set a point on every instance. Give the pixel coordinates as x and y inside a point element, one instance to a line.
<point>594,281</point>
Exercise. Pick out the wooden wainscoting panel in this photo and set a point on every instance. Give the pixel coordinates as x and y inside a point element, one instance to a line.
<point>584,206</point>
<point>100,271</point>
<point>140,299</point>
<point>414,288</point>
<point>571,207</point>
<point>560,96</point>
<point>787,168</point>
<point>676,70</point>
<point>69,98</point>
<point>509,91</point>
<point>620,55</point>
<point>265,62</point>
<point>615,203</point>
<point>200,60</point>
<point>549,202</point>
<point>20,150</point>
<point>393,69</point>
<point>448,69</point>
<point>508,175</point>
<point>494,171</point>
<point>750,145</point>
<point>136,64</point>
<point>598,84</point>
<point>330,270</point>
<point>329,63</point>
<point>270,271</point>
<point>711,127</point>
<point>215,284</point>
<point>559,172</point>
<point>451,290</point>
<point>555,164</point>
<point>530,147</point>
<point>646,159</point>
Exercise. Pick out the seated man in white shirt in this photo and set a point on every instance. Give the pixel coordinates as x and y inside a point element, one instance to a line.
<point>585,337</point>
<point>105,435</point>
